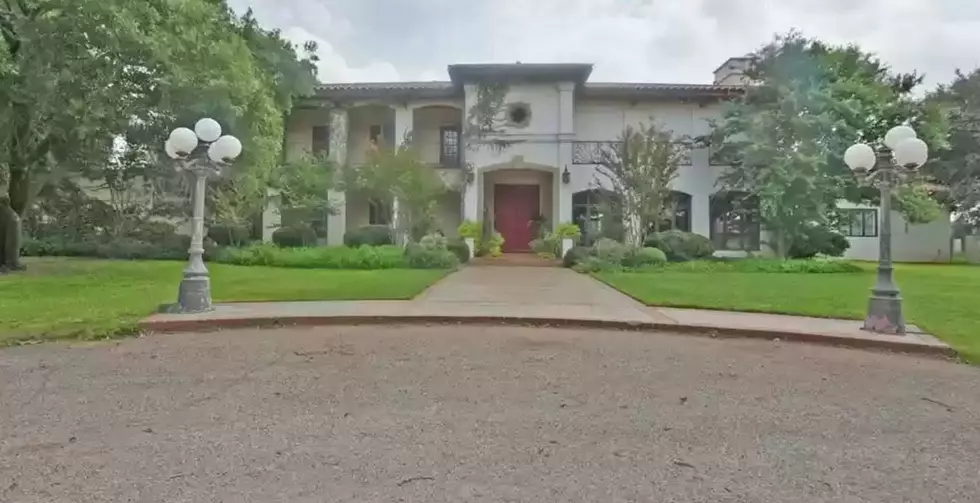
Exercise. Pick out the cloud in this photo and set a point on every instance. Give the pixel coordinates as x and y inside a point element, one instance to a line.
<point>628,40</point>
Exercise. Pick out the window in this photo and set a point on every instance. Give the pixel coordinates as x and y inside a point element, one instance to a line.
<point>596,212</point>
<point>375,134</point>
<point>321,140</point>
<point>735,221</point>
<point>449,146</point>
<point>859,223</point>
<point>519,114</point>
<point>681,220</point>
<point>379,212</point>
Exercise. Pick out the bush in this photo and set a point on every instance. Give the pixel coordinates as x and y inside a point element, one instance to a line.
<point>119,248</point>
<point>755,265</point>
<point>154,232</point>
<point>323,257</point>
<point>680,246</point>
<point>459,248</point>
<point>494,248</point>
<point>548,247</point>
<point>294,237</point>
<point>575,255</point>
<point>436,242</point>
<point>818,240</point>
<point>596,264</point>
<point>610,250</point>
<point>368,235</point>
<point>568,231</point>
<point>643,257</point>
<point>230,235</point>
<point>420,257</point>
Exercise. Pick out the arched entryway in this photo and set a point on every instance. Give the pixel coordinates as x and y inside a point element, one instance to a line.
<point>519,200</point>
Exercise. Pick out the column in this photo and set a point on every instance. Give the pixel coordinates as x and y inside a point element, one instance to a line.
<point>701,214</point>
<point>337,220</point>
<point>404,116</point>
<point>566,134</point>
<point>271,217</point>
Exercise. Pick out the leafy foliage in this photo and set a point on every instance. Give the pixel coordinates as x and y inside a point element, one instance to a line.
<point>818,240</point>
<point>789,131</point>
<point>957,167</point>
<point>679,246</point>
<point>297,236</point>
<point>333,257</point>
<point>640,169</point>
<point>368,235</point>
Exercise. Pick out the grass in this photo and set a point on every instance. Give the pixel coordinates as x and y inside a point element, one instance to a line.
<point>81,298</point>
<point>942,299</point>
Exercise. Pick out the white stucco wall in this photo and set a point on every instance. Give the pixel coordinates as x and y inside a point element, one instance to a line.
<point>929,242</point>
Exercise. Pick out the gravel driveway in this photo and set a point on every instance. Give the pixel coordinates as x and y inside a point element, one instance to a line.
<point>494,414</point>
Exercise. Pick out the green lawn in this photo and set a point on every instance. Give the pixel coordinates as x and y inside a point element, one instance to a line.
<point>58,298</point>
<point>942,299</point>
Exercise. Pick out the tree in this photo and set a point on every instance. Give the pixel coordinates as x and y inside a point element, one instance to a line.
<point>957,167</point>
<point>398,174</point>
<point>640,168</point>
<point>77,74</point>
<point>787,134</point>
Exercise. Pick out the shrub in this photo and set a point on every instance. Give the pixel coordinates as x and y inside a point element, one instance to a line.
<point>755,265</point>
<point>323,257</point>
<point>609,250</point>
<point>229,235</point>
<point>470,229</point>
<point>459,248</point>
<point>575,255</point>
<point>419,257</point>
<point>549,246</point>
<point>294,237</point>
<point>118,248</point>
<point>643,257</point>
<point>436,242</point>
<point>368,235</point>
<point>154,232</point>
<point>596,264</point>
<point>494,248</point>
<point>818,240</point>
<point>567,231</point>
<point>680,246</point>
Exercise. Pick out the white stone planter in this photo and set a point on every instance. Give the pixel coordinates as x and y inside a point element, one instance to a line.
<point>471,244</point>
<point>566,244</point>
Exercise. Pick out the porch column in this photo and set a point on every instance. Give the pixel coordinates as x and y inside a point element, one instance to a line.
<point>337,219</point>
<point>563,194</point>
<point>701,214</point>
<point>403,130</point>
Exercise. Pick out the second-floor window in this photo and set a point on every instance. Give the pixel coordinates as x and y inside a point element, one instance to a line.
<point>449,146</point>
<point>321,140</point>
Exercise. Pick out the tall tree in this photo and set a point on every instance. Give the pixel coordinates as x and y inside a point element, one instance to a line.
<point>957,167</point>
<point>787,134</point>
<point>640,168</point>
<point>77,74</point>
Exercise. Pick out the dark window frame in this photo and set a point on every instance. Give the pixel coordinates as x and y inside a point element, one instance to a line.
<point>320,140</point>
<point>449,158</point>
<point>737,223</point>
<point>379,212</point>
<point>852,218</point>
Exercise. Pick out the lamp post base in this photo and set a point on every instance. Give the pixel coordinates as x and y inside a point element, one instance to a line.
<point>885,314</point>
<point>195,294</point>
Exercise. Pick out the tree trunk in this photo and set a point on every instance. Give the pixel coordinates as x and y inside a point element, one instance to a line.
<point>10,234</point>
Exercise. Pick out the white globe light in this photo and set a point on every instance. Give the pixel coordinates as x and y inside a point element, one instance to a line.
<point>911,153</point>
<point>225,149</point>
<point>859,156</point>
<point>171,150</point>
<point>897,134</point>
<point>183,140</point>
<point>208,130</point>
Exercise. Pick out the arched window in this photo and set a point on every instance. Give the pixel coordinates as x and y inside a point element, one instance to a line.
<point>735,221</point>
<point>595,212</point>
<point>680,204</point>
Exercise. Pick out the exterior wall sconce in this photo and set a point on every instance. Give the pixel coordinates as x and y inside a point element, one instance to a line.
<point>566,177</point>
<point>469,176</point>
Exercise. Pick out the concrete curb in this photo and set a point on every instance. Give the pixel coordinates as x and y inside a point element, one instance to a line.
<point>201,325</point>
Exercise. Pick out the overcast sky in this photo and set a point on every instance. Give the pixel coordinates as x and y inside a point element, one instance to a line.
<point>627,40</point>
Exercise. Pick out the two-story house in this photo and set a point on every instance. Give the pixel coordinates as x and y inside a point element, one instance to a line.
<point>556,122</point>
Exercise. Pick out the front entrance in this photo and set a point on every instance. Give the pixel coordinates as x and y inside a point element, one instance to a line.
<point>514,207</point>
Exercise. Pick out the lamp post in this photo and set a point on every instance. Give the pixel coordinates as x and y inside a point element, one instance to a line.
<point>202,151</point>
<point>901,154</point>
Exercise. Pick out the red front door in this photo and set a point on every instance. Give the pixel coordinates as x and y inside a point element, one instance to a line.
<point>514,207</point>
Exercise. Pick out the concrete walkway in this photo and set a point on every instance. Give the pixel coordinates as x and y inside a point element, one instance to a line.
<point>542,296</point>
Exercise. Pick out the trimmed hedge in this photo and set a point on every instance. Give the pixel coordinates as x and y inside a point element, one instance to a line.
<point>294,237</point>
<point>230,235</point>
<point>575,255</point>
<point>120,248</point>
<point>325,257</point>
<point>368,235</point>
<point>680,246</point>
<point>459,248</point>
<point>422,257</point>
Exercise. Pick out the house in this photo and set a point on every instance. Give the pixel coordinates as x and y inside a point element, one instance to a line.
<point>557,120</point>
